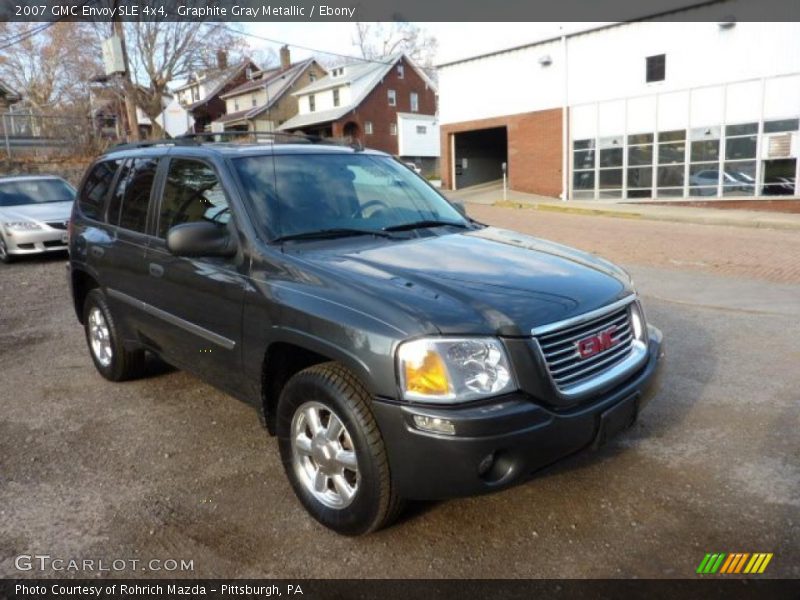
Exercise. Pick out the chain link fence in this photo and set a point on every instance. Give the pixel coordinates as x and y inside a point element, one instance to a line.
<point>35,135</point>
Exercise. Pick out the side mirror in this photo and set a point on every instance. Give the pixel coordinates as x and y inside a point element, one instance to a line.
<point>200,239</point>
<point>459,206</point>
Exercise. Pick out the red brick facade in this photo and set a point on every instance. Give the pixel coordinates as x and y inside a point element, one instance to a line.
<point>375,108</point>
<point>534,150</point>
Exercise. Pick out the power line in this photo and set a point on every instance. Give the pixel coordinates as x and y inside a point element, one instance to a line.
<point>21,37</point>
<point>310,49</point>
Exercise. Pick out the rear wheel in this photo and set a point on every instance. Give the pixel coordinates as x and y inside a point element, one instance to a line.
<point>112,360</point>
<point>5,257</point>
<point>333,452</point>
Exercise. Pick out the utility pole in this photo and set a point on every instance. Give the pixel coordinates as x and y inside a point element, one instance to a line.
<point>127,84</point>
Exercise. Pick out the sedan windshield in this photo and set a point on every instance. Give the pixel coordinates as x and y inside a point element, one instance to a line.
<point>35,191</point>
<point>296,195</point>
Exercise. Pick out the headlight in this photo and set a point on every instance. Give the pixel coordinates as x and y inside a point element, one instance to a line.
<point>638,323</point>
<point>22,226</point>
<point>448,370</point>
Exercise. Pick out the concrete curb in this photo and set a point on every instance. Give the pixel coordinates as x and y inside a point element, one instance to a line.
<point>701,217</point>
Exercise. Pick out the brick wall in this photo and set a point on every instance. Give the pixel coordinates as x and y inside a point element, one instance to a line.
<point>375,108</point>
<point>534,150</point>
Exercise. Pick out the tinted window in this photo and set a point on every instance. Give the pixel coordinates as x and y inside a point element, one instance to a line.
<point>35,191</point>
<point>95,188</point>
<point>119,193</point>
<point>136,194</point>
<point>192,193</point>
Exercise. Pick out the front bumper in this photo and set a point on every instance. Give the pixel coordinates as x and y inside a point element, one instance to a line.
<point>36,241</point>
<point>503,442</point>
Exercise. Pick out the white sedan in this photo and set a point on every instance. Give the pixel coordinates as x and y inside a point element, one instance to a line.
<point>34,215</point>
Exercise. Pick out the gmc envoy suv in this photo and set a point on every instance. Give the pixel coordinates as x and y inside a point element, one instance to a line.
<point>397,348</point>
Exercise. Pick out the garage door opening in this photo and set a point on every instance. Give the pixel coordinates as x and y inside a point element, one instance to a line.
<point>479,156</point>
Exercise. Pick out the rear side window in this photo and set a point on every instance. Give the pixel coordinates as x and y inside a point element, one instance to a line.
<point>95,189</point>
<point>132,196</point>
<point>192,193</point>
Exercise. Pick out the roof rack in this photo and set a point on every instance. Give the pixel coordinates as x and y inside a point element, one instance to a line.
<point>279,137</point>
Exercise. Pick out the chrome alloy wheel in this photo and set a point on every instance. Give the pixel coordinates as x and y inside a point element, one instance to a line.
<point>324,457</point>
<point>100,337</point>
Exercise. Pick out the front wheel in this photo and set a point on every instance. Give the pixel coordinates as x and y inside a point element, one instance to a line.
<point>333,452</point>
<point>5,257</point>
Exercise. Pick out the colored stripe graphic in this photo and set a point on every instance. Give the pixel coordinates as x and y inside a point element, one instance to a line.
<point>734,563</point>
<point>711,563</point>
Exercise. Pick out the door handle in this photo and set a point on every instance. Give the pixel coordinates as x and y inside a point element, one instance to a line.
<point>98,251</point>
<point>156,270</point>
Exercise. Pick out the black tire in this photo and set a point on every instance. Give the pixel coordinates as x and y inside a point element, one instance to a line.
<point>123,364</point>
<point>5,257</point>
<point>374,504</point>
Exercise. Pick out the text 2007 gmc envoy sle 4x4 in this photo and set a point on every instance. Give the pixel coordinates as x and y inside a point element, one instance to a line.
<point>398,349</point>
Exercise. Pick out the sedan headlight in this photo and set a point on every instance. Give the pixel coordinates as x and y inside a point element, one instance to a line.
<point>21,226</point>
<point>446,370</point>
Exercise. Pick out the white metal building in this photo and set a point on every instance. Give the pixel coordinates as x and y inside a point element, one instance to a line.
<point>646,109</point>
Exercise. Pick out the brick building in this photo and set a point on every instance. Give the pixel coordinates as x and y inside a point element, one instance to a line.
<point>388,105</point>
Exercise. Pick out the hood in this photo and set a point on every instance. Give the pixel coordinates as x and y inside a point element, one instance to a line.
<point>46,211</point>
<point>490,281</point>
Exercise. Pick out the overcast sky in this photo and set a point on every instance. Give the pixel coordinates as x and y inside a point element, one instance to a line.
<point>456,40</point>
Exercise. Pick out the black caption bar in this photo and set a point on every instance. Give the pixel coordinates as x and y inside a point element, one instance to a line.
<point>400,10</point>
<point>385,589</point>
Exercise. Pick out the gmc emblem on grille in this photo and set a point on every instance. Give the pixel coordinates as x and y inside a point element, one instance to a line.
<point>594,344</point>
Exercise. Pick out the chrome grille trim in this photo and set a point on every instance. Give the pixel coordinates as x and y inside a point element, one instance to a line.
<point>573,376</point>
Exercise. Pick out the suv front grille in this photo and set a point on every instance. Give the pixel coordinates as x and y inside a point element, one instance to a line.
<point>560,348</point>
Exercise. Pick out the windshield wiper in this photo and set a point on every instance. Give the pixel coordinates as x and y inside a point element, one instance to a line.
<point>331,233</point>
<point>421,224</point>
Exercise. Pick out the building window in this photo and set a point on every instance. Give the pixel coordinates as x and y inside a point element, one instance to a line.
<point>336,97</point>
<point>739,170</point>
<point>414,102</point>
<point>393,128</point>
<point>392,98</point>
<point>704,161</point>
<point>401,71</point>
<point>236,105</point>
<point>368,127</point>
<point>640,165</point>
<point>583,162</point>
<point>253,101</point>
<point>312,104</point>
<point>195,94</point>
<point>609,174</point>
<point>422,129</point>
<point>312,77</point>
<point>671,163</point>
<point>656,68</point>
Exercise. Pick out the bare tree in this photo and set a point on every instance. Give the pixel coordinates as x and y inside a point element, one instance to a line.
<point>376,40</point>
<point>161,52</point>
<point>50,66</point>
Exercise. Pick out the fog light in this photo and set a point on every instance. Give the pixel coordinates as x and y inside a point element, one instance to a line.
<point>434,424</point>
<point>485,464</point>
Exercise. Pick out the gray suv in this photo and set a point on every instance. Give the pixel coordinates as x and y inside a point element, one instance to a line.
<point>397,348</point>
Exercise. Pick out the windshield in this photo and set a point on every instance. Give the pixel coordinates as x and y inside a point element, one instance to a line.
<point>35,191</point>
<point>306,193</point>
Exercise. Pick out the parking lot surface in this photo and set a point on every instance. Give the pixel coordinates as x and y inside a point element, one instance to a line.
<point>167,467</point>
